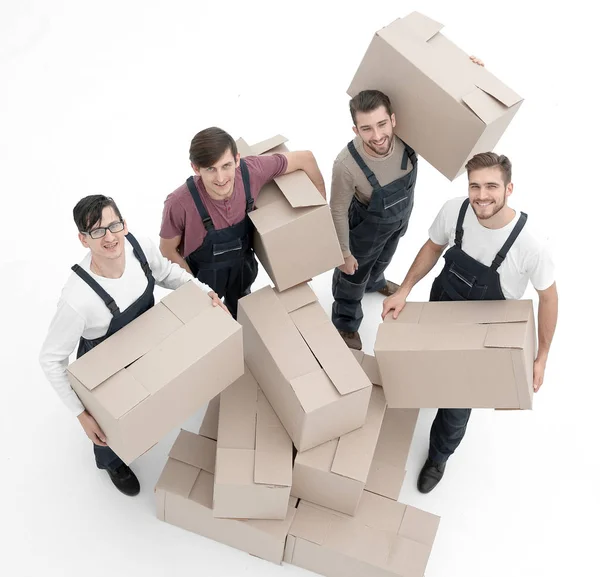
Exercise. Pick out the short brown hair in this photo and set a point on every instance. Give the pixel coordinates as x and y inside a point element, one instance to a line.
<point>490,160</point>
<point>367,101</point>
<point>209,145</point>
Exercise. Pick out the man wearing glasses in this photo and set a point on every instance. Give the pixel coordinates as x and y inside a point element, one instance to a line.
<point>109,288</point>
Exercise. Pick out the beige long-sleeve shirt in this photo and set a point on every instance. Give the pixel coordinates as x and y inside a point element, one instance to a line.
<point>348,180</point>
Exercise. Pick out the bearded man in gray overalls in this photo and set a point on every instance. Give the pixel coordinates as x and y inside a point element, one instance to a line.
<point>372,194</point>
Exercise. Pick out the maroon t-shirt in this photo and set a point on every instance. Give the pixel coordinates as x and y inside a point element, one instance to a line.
<point>181,217</point>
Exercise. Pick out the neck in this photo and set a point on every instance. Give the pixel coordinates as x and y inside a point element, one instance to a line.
<point>108,268</point>
<point>500,219</point>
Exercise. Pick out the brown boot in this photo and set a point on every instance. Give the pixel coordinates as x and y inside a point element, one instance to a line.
<point>389,289</point>
<point>352,339</point>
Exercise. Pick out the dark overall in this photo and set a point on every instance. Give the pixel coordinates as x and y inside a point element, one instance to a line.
<point>105,456</point>
<point>225,261</point>
<point>464,278</point>
<point>374,234</point>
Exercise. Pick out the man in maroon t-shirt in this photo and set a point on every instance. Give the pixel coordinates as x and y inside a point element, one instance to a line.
<point>205,225</point>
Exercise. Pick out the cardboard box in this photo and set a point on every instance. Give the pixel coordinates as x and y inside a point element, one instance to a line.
<point>458,354</point>
<point>384,538</point>
<point>368,364</point>
<point>334,474</point>
<point>447,108</point>
<point>157,371</point>
<point>253,475</point>
<point>295,238</point>
<point>184,496</point>
<point>303,366</point>
<point>210,423</point>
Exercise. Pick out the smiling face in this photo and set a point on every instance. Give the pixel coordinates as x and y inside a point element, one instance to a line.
<point>219,178</point>
<point>488,191</point>
<point>111,245</point>
<point>376,129</point>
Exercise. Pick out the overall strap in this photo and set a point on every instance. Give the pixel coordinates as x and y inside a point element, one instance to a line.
<point>363,166</point>
<point>139,254</point>
<point>509,242</point>
<point>404,165</point>
<point>246,181</point>
<point>206,220</point>
<point>458,235</point>
<point>108,300</point>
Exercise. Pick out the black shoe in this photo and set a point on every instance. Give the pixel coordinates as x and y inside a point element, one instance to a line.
<point>125,480</point>
<point>431,474</point>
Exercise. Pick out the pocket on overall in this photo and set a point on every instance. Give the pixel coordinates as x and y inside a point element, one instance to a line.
<point>399,201</point>
<point>226,248</point>
<point>465,283</point>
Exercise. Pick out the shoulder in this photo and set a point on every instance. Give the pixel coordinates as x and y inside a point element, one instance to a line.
<point>266,164</point>
<point>451,207</point>
<point>176,198</point>
<point>76,294</point>
<point>534,239</point>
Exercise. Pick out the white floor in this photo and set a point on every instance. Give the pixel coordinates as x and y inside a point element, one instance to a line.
<point>105,97</point>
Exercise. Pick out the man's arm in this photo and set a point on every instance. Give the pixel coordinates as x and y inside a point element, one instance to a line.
<point>168,248</point>
<point>547,319</point>
<point>421,266</point>
<point>305,160</point>
<point>342,192</point>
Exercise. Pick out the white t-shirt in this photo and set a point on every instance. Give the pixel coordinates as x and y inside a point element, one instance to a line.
<point>528,258</point>
<point>81,312</point>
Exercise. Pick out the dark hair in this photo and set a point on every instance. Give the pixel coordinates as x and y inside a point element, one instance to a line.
<point>88,211</point>
<point>367,101</point>
<point>490,160</point>
<point>209,145</point>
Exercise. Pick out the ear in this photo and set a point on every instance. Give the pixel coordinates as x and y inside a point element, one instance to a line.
<point>509,189</point>
<point>83,240</point>
<point>195,169</point>
<point>355,130</point>
<point>393,117</point>
<point>125,230</point>
<point>237,159</point>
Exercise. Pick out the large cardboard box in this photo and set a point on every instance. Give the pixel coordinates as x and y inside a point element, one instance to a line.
<point>312,380</point>
<point>458,354</point>
<point>253,475</point>
<point>334,474</point>
<point>446,107</point>
<point>384,538</point>
<point>184,497</point>
<point>157,371</point>
<point>295,238</point>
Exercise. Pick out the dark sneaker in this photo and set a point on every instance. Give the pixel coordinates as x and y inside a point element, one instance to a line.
<point>352,339</point>
<point>125,480</point>
<point>389,289</point>
<point>431,474</point>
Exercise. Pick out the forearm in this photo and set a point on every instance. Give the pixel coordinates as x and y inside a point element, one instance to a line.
<point>174,256</point>
<point>547,319</point>
<point>311,168</point>
<point>425,260</point>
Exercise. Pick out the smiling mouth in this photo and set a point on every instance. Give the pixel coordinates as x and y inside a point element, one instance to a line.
<point>379,142</point>
<point>483,203</point>
<point>112,245</point>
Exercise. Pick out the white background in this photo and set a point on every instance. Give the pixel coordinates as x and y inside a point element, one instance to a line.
<point>104,97</point>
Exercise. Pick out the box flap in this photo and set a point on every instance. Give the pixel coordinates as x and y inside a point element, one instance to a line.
<point>268,144</point>
<point>320,457</point>
<point>299,190</point>
<point>421,26</point>
<point>296,297</point>
<point>506,336</point>
<point>178,478</point>
<point>311,523</point>
<point>314,390</point>
<point>244,148</point>
<point>234,467</point>
<point>195,450</point>
<point>237,414</point>
<point>125,346</point>
<point>273,459</point>
<point>329,348</point>
<point>120,393</point>
<point>371,369</point>
<point>355,450</point>
<point>187,301</point>
<point>210,422</point>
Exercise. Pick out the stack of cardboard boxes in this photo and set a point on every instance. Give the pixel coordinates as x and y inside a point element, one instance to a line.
<point>301,455</point>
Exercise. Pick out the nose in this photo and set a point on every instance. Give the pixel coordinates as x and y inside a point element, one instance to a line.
<point>109,236</point>
<point>378,134</point>
<point>221,176</point>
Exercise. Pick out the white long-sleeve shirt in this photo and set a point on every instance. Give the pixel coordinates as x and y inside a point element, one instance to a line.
<point>81,312</point>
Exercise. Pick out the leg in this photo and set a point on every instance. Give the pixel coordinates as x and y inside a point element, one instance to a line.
<point>377,278</point>
<point>106,458</point>
<point>447,431</point>
<point>120,474</point>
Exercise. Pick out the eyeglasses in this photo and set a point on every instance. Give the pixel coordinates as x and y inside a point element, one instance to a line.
<point>99,232</point>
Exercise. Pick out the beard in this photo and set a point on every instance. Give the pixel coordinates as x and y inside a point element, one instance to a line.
<point>496,208</point>
<point>377,151</point>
